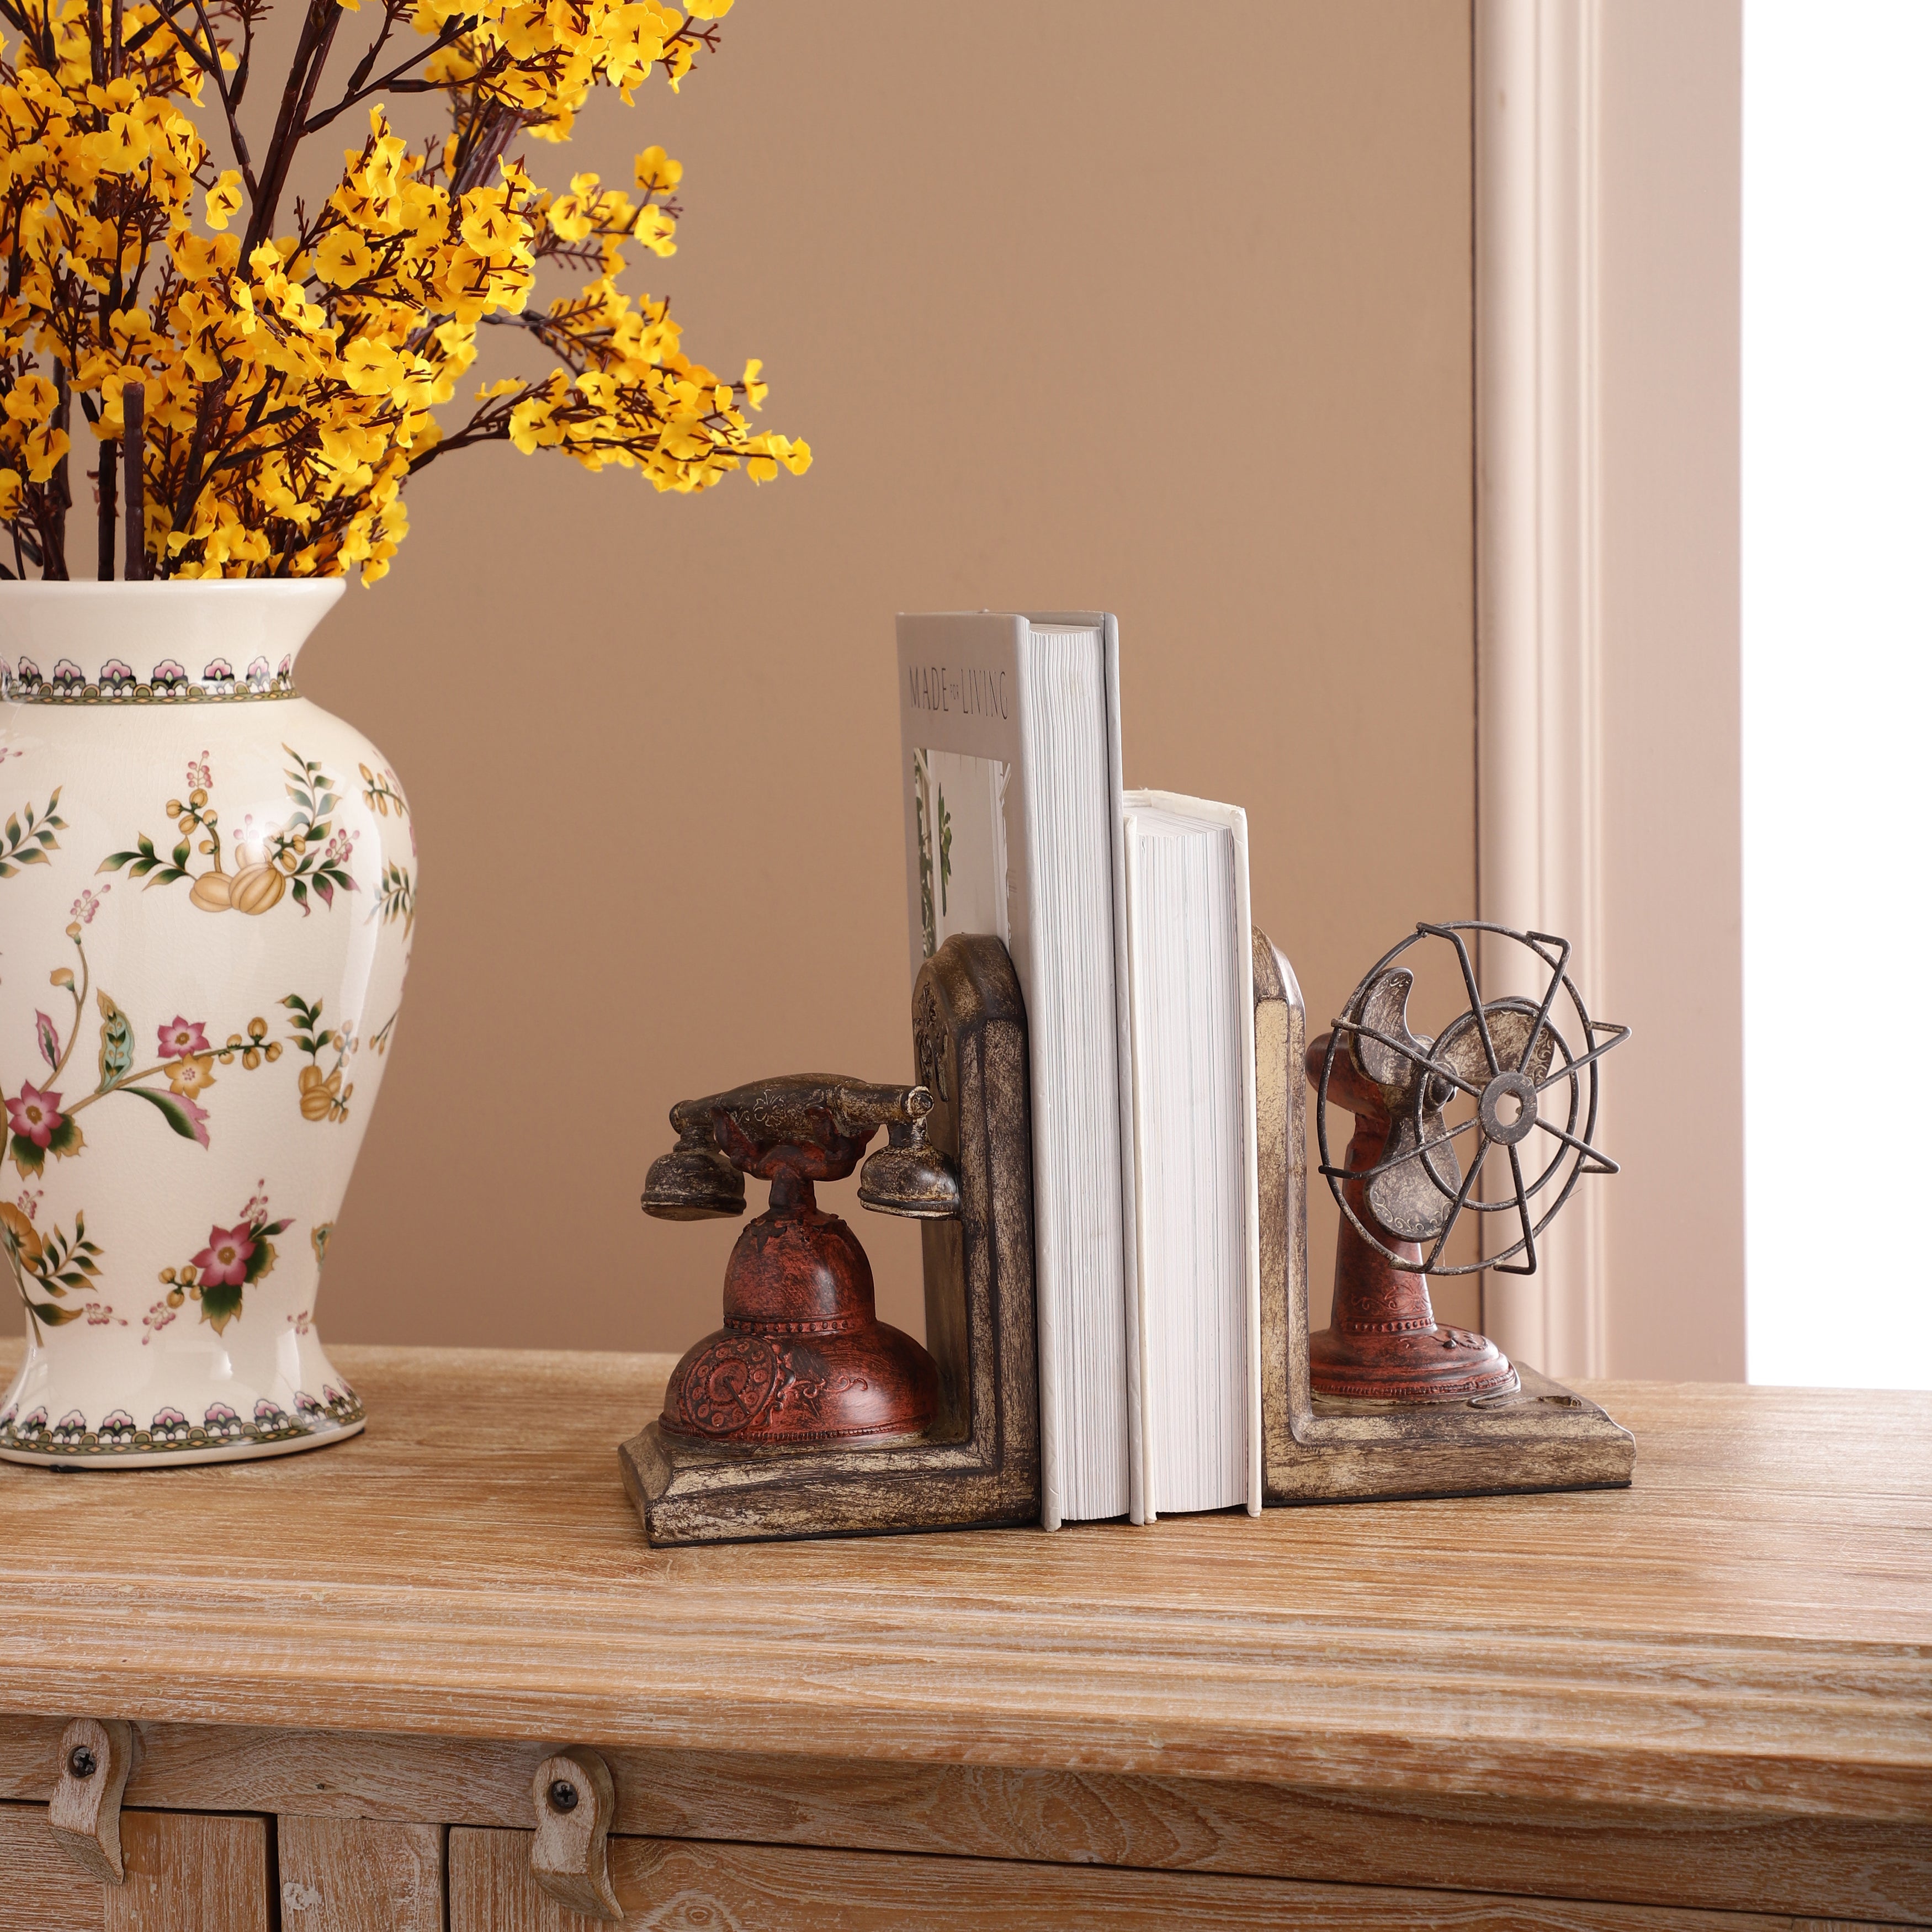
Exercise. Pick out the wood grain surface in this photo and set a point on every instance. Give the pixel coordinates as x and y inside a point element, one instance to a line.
<point>185,1872</point>
<point>1739,1647</point>
<point>676,1887</point>
<point>190,1872</point>
<point>41,1889</point>
<point>359,1875</point>
<point>1518,1843</point>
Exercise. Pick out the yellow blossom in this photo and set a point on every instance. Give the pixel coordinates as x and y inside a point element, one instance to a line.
<point>342,258</point>
<point>290,379</point>
<point>224,198</point>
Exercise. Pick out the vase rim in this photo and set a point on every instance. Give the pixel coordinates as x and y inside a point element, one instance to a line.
<point>79,642</point>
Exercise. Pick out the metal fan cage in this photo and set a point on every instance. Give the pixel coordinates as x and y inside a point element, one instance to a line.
<point>1572,1156</point>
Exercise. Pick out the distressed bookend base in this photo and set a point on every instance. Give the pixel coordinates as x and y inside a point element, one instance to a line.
<point>978,1465</point>
<point>1320,1449</point>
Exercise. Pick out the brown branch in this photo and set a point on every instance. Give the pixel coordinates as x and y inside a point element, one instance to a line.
<point>165,19</point>
<point>211,67</point>
<point>318,35</point>
<point>110,480</point>
<point>134,441</point>
<point>192,475</point>
<point>393,81</point>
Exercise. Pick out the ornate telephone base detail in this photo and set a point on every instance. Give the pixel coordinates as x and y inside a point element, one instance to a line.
<point>802,1356</point>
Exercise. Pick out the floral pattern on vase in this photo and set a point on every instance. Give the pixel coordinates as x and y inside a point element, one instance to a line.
<point>158,1281</point>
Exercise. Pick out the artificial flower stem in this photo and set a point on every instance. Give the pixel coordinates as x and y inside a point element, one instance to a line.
<point>133,409</point>
<point>110,488</point>
<point>318,35</point>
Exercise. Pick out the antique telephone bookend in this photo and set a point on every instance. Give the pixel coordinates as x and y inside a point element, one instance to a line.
<point>1386,1401</point>
<point>804,1414</point>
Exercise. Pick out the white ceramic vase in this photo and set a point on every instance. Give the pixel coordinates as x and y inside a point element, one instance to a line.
<point>207,891</point>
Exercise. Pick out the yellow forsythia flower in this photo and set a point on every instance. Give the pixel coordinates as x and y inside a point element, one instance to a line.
<point>290,379</point>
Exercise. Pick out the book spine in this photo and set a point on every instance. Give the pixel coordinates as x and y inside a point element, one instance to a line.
<point>1048,1288</point>
<point>1138,1511</point>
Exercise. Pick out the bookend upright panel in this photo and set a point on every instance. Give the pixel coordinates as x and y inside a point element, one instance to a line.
<point>977,1462</point>
<point>1318,1448</point>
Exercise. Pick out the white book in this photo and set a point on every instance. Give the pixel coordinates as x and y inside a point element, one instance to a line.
<point>1011,772</point>
<point>1196,1195</point>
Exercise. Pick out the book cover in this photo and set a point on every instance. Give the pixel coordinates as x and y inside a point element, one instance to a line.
<point>1011,775</point>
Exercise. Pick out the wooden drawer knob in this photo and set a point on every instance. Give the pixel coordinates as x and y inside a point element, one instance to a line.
<point>96,1755</point>
<point>575,1803</point>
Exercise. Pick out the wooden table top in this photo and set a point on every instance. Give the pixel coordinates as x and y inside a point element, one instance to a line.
<point>1751,1622</point>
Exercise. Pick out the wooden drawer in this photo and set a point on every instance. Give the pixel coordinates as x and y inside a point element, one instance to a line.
<point>676,1885</point>
<point>187,1871</point>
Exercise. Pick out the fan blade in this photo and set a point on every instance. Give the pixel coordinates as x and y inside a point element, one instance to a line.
<point>1413,1199</point>
<point>1384,1007</point>
<point>1460,1049</point>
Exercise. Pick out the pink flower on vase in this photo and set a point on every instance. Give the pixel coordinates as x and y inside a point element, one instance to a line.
<point>223,1263</point>
<point>181,1037</point>
<point>34,1116</point>
<point>88,904</point>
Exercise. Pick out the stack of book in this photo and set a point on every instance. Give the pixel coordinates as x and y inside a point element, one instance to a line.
<point>1126,915</point>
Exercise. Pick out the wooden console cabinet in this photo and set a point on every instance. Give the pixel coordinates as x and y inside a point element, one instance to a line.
<point>1704,1701</point>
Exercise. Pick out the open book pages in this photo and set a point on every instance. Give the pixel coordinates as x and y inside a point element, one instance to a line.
<point>1010,739</point>
<point>1191,1023</point>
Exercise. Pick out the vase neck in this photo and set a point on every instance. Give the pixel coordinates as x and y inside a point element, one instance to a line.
<point>156,643</point>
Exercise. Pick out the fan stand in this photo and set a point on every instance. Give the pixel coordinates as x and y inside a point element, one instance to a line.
<point>1385,1343</point>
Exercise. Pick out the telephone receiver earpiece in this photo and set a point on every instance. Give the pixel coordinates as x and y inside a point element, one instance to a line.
<point>909,1176</point>
<point>693,1182</point>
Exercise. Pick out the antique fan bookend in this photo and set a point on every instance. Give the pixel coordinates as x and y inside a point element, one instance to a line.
<point>804,1415</point>
<point>1386,1401</point>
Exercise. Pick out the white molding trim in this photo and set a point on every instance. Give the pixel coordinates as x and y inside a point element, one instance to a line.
<point>1539,600</point>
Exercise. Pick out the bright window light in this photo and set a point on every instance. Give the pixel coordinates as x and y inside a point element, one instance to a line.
<point>1837,689</point>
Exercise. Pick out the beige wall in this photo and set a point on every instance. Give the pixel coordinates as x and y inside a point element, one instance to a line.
<point>1100,304</point>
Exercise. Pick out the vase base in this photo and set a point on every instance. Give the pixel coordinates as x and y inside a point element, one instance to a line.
<point>97,1457</point>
